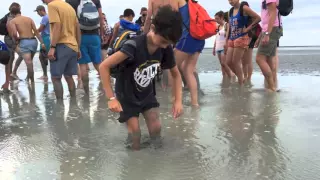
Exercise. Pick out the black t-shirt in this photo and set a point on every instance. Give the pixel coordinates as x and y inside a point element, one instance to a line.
<point>135,83</point>
<point>76,3</point>
<point>139,21</point>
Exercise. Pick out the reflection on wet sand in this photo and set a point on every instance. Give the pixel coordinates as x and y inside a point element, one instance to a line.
<point>234,135</point>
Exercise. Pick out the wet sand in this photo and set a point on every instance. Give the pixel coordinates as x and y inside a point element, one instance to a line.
<point>235,135</point>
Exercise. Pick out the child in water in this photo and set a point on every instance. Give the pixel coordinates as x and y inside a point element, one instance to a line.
<point>140,58</point>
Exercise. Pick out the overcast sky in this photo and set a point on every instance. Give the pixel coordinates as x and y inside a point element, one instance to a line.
<point>300,28</point>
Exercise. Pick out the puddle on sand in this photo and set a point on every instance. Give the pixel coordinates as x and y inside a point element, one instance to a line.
<point>234,135</point>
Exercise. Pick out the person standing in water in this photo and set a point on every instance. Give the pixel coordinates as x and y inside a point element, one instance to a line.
<point>12,47</point>
<point>218,48</point>
<point>64,50</point>
<point>45,34</point>
<point>134,88</point>
<point>271,33</point>
<point>187,50</point>
<point>28,44</point>
<point>238,39</point>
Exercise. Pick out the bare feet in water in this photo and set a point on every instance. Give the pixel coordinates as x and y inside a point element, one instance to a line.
<point>45,78</point>
<point>14,77</point>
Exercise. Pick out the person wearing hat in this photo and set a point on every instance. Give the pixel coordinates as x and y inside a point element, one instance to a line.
<point>44,29</point>
<point>142,18</point>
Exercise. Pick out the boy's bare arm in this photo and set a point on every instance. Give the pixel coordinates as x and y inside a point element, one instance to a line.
<point>104,70</point>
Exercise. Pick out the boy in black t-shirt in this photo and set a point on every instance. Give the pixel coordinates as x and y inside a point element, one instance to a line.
<point>140,58</point>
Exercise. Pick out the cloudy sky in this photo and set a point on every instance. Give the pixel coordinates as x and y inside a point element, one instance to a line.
<point>300,28</point>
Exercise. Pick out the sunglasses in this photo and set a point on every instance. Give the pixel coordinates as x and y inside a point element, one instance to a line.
<point>144,15</point>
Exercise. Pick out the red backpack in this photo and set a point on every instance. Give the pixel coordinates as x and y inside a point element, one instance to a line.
<point>202,26</point>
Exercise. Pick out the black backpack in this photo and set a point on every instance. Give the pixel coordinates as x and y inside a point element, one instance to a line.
<point>285,7</point>
<point>3,25</point>
<point>118,43</point>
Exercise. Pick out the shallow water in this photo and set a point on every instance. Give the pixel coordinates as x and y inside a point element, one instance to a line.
<point>235,135</point>
<point>251,135</point>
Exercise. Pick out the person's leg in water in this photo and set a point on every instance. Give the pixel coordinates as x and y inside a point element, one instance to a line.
<point>247,65</point>
<point>180,58</point>
<point>84,72</point>
<point>80,84</point>
<point>14,74</point>
<point>44,64</point>
<point>228,62</point>
<point>188,72</point>
<point>28,57</point>
<point>151,117</point>
<point>266,70</point>
<point>220,54</point>
<point>240,46</point>
<point>134,132</point>
<point>274,63</point>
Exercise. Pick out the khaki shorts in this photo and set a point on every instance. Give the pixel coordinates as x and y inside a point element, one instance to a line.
<point>269,50</point>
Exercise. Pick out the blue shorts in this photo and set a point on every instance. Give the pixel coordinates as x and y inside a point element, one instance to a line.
<point>90,49</point>
<point>66,62</point>
<point>46,41</point>
<point>28,46</point>
<point>190,45</point>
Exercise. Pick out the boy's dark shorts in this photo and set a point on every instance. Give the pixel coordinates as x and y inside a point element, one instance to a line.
<point>269,50</point>
<point>4,57</point>
<point>132,110</point>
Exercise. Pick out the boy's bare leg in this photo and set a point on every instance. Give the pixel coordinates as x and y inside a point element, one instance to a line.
<point>134,132</point>
<point>153,122</point>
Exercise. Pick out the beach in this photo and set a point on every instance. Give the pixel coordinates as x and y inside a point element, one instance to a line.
<point>251,135</point>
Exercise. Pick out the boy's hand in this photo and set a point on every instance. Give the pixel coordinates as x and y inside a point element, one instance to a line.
<point>115,106</point>
<point>177,109</point>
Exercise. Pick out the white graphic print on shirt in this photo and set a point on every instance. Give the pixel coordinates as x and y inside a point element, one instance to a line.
<point>145,73</point>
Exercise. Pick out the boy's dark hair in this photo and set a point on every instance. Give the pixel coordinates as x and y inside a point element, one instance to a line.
<point>14,4</point>
<point>168,23</point>
<point>128,12</point>
<point>14,10</point>
<point>220,14</point>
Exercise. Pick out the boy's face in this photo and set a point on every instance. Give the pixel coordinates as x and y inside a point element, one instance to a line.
<point>160,41</point>
<point>131,18</point>
<point>233,2</point>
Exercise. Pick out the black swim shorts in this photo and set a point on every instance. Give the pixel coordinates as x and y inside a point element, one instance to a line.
<point>132,110</point>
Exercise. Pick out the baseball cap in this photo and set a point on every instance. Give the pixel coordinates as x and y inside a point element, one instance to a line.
<point>39,8</point>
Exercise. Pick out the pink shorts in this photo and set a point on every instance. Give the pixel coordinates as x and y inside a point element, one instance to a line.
<point>241,42</point>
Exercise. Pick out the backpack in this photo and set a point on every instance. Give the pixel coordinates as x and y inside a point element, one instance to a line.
<point>202,26</point>
<point>3,25</point>
<point>285,7</point>
<point>88,15</point>
<point>256,29</point>
<point>117,45</point>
